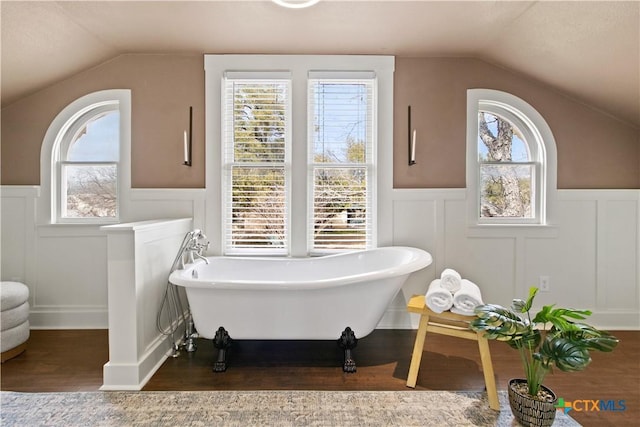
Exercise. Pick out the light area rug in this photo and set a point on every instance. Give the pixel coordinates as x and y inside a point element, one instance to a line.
<point>257,408</point>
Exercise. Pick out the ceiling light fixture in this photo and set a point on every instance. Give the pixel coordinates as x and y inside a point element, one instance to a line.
<point>295,4</point>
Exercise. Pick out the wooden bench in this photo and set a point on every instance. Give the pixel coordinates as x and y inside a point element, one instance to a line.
<point>454,325</point>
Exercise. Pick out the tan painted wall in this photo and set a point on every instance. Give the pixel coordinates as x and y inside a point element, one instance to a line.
<point>162,89</point>
<point>594,150</point>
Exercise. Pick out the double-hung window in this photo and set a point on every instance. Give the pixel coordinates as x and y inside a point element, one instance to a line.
<point>257,146</point>
<point>341,160</point>
<point>298,154</point>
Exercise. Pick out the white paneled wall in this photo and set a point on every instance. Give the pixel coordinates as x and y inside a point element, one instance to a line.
<point>17,217</point>
<point>591,253</point>
<point>70,286</point>
<point>167,203</point>
<point>65,266</point>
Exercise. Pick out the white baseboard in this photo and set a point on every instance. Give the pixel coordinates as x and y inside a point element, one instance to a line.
<point>75,318</point>
<point>397,318</point>
<point>615,320</point>
<point>134,376</point>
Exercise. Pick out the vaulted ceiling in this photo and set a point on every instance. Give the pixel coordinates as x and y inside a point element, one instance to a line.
<point>587,50</point>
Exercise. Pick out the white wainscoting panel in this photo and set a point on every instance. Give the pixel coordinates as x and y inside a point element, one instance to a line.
<point>65,266</point>
<point>70,290</point>
<point>619,262</point>
<point>156,203</point>
<point>413,225</point>
<point>489,262</point>
<point>18,218</point>
<point>590,252</point>
<point>612,234</point>
<point>568,260</point>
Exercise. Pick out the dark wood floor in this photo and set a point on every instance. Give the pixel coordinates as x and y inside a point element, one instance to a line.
<point>72,360</point>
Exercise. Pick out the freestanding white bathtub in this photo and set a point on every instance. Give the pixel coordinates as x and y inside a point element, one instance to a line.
<point>296,298</point>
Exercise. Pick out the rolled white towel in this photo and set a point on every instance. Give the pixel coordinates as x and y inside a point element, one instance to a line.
<point>451,280</point>
<point>437,298</point>
<point>467,298</point>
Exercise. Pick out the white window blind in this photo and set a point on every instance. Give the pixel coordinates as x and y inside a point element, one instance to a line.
<point>256,176</point>
<point>341,162</point>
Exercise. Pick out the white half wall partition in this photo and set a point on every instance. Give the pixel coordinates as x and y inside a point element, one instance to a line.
<point>139,259</point>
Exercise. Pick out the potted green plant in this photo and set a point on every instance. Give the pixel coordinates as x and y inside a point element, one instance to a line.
<point>554,337</point>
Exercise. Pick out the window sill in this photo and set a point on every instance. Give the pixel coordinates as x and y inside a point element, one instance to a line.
<point>545,231</point>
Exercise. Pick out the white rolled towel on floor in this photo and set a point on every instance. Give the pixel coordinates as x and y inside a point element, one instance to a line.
<point>437,298</point>
<point>451,280</point>
<point>466,299</point>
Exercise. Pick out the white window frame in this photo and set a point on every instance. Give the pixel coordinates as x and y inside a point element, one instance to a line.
<point>228,161</point>
<point>542,149</point>
<point>56,144</point>
<point>370,163</point>
<point>299,66</point>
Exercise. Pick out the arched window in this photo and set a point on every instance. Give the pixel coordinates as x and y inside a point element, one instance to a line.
<point>510,160</point>
<point>86,145</point>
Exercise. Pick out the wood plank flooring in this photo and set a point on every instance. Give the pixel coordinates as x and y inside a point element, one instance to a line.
<point>72,360</point>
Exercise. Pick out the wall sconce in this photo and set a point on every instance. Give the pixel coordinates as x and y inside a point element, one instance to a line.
<point>293,4</point>
<point>188,140</point>
<point>412,133</point>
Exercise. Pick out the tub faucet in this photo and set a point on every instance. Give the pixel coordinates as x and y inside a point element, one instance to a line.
<point>197,255</point>
<point>197,243</point>
<point>193,244</point>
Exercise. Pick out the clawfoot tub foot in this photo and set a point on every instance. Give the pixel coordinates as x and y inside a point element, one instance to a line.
<point>221,341</point>
<point>347,342</point>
